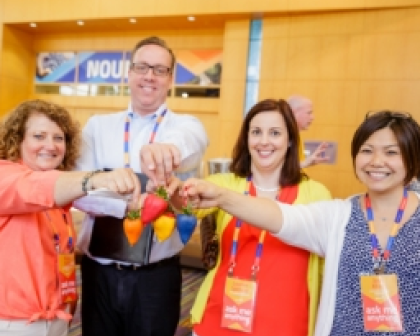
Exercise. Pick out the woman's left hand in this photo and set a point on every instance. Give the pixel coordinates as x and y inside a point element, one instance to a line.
<point>201,194</point>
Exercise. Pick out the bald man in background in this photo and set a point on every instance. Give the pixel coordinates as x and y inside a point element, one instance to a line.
<point>302,108</point>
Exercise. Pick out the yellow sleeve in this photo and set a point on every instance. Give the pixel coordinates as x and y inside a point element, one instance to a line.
<point>312,191</point>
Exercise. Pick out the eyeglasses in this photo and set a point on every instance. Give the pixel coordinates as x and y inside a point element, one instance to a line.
<point>389,114</point>
<point>143,68</point>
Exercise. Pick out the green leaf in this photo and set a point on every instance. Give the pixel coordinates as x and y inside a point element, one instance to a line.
<point>187,209</point>
<point>161,192</point>
<point>133,214</point>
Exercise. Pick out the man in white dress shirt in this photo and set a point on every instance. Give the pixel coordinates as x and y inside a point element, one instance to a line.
<point>125,293</point>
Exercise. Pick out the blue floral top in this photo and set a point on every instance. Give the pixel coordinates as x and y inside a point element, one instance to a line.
<point>356,258</point>
<point>415,186</point>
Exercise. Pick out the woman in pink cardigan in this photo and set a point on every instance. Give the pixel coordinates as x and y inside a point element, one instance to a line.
<point>39,144</point>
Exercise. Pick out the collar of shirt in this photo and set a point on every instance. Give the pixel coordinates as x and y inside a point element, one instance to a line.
<point>148,117</point>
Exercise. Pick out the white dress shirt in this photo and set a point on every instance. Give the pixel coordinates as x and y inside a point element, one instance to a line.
<point>103,147</point>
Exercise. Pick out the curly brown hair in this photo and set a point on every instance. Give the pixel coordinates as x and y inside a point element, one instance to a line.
<point>291,173</point>
<point>13,128</point>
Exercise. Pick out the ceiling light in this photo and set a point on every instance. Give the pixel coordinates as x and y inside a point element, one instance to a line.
<point>80,23</point>
<point>133,20</point>
<point>191,18</point>
<point>184,95</point>
<point>32,24</point>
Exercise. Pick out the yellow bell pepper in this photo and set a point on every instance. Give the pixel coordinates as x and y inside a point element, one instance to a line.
<point>164,226</point>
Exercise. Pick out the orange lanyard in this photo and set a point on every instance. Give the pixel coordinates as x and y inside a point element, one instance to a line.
<point>56,236</point>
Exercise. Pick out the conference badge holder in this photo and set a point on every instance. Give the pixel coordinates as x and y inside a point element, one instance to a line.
<point>381,303</point>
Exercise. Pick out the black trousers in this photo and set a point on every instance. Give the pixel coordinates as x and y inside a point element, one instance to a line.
<point>128,302</point>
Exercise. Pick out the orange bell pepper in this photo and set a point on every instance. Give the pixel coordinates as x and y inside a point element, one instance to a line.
<point>133,226</point>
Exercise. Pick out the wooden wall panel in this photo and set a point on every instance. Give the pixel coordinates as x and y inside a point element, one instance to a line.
<point>16,70</point>
<point>390,3</point>
<point>176,39</point>
<point>47,10</point>
<point>235,51</point>
<point>1,43</point>
<point>348,63</point>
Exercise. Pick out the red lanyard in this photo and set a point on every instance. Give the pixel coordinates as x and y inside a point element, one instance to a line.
<point>234,249</point>
<point>56,236</point>
<point>379,263</point>
<point>127,135</point>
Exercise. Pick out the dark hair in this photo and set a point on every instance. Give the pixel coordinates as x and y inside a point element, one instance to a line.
<point>406,131</point>
<point>154,40</point>
<point>12,130</point>
<point>291,174</point>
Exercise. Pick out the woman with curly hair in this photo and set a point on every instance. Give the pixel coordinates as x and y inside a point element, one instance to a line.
<point>39,144</point>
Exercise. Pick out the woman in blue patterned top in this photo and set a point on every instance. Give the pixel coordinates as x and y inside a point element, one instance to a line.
<point>370,241</point>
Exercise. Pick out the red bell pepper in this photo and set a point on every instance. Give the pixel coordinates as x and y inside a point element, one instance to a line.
<point>154,206</point>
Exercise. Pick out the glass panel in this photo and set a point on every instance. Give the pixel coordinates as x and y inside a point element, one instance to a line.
<point>47,89</point>
<point>126,90</point>
<point>97,90</point>
<point>82,90</point>
<point>67,90</point>
<point>256,29</point>
<point>188,92</point>
<point>105,90</point>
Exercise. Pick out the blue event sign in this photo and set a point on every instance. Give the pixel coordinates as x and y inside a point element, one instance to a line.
<point>127,65</point>
<point>55,67</point>
<point>101,67</point>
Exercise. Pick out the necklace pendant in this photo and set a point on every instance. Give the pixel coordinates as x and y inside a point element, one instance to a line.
<point>379,269</point>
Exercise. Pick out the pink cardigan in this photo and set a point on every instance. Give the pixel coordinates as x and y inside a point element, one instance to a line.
<point>28,270</point>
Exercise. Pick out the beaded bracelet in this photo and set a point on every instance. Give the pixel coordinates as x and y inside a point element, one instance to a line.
<point>86,179</point>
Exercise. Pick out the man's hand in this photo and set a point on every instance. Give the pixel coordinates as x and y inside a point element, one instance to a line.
<point>122,180</point>
<point>158,161</point>
<point>318,156</point>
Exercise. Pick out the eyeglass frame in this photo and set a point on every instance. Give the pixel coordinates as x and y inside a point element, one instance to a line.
<point>153,67</point>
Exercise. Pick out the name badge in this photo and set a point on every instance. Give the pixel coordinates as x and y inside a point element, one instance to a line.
<point>239,304</point>
<point>381,303</point>
<point>67,277</point>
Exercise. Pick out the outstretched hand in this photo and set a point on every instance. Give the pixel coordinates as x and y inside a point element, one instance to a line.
<point>201,194</point>
<point>122,181</point>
